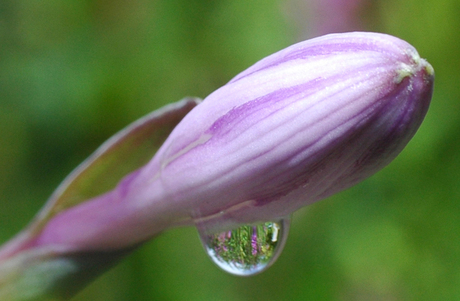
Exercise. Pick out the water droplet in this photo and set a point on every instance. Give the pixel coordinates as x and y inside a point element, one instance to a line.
<point>248,249</point>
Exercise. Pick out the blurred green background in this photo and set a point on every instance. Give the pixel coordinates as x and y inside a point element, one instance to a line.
<point>72,73</point>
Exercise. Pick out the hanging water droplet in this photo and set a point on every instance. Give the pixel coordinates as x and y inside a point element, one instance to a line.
<point>248,249</point>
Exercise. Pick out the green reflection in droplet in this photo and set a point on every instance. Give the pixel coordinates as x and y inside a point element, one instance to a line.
<point>248,249</point>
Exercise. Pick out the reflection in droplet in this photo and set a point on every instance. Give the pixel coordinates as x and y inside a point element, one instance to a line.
<point>248,249</point>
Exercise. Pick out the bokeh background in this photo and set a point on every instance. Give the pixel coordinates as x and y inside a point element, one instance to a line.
<point>72,73</point>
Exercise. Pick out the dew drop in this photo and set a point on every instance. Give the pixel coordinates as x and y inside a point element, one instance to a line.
<point>248,249</point>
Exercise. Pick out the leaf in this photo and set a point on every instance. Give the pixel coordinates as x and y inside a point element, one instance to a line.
<point>48,273</point>
<point>126,151</point>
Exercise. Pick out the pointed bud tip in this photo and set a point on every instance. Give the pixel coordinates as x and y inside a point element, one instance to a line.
<point>416,65</point>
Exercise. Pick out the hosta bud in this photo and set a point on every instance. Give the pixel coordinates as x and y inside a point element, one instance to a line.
<point>296,127</point>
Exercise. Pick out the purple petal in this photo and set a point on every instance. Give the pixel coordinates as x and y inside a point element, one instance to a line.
<point>296,127</point>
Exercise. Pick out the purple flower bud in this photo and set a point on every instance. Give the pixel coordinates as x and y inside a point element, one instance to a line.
<point>295,128</point>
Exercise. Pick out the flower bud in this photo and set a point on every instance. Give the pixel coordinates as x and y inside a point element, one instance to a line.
<point>296,127</point>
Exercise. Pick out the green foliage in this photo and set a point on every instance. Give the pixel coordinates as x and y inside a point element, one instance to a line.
<point>72,73</point>
<point>245,248</point>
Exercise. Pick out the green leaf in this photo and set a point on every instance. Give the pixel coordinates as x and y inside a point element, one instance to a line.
<point>50,274</point>
<point>126,151</point>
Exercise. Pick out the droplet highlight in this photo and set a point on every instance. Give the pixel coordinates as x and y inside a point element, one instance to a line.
<point>248,249</point>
